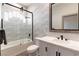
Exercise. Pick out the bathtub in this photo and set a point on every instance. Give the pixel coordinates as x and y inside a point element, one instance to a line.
<point>15,47</point>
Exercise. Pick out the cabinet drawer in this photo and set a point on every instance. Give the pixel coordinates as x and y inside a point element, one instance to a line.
<point>76,53</point>
<point>52,49</point>
<point>65,52</point>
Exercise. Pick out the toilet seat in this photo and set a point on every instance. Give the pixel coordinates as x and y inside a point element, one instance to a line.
<point>32,48</point>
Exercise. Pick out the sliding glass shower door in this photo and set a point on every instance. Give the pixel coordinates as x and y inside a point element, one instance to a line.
<point>17,24</point>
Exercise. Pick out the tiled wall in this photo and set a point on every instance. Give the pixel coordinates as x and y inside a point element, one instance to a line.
<point>41,18</point>
<point>41,22</point>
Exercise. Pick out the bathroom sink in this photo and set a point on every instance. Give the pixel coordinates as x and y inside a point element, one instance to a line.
<point>60,42</point>
<point>70,44</point>
<point>54,40</point>
<point>49,37</point>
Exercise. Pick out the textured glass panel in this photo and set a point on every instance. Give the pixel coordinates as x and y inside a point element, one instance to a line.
<point>10,22</point>
<point>25,26</point>
<point>18,28</point>
<point>17,23</point>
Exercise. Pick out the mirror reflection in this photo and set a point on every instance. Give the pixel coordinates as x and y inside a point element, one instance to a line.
<point>65,16</point>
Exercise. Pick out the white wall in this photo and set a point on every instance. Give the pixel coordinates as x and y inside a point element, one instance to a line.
<point>59,10</point>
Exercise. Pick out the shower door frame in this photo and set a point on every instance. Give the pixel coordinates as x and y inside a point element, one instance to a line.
<point>23,10</point>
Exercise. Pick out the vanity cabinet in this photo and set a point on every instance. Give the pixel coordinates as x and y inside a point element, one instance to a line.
<point>76,53</point>
<point>65,52</point>
<point>48,49</point>
<point>52,50</point>
<point>42,48</point>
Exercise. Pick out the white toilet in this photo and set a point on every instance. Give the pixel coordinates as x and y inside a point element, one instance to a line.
<point>32,50</point>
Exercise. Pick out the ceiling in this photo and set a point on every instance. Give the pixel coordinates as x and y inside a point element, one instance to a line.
<point>26,5</point>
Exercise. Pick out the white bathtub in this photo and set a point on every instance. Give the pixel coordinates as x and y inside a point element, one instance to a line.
<point>15,47</point>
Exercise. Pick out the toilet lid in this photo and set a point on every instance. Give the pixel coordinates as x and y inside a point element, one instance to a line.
<point>32,48</point>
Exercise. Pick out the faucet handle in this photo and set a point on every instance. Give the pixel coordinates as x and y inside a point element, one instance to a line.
<point>66,39</point>
<point>58,38</point>
<point>61,37</point>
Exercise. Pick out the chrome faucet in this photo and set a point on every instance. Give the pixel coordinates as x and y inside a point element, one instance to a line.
<point>62,38</point>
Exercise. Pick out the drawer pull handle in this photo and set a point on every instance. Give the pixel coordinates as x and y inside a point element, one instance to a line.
<point>46,49</point>
<point>57,53</point>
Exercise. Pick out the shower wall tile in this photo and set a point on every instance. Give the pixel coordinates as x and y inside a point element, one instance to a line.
<point>41,18</point>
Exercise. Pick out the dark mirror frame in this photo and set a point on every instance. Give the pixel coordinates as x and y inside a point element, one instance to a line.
<point>59,30</point>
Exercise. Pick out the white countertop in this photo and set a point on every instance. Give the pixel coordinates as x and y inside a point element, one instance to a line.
<point>70,44</point>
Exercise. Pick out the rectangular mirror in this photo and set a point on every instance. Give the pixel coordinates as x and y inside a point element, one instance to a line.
<point>64,16</point>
